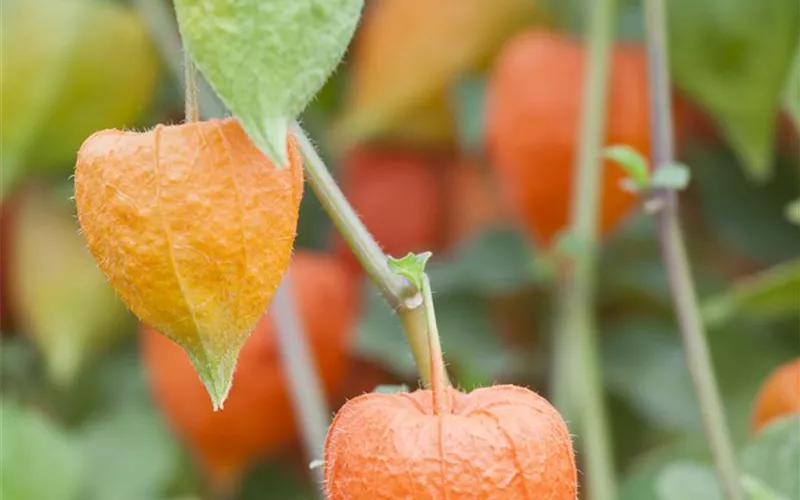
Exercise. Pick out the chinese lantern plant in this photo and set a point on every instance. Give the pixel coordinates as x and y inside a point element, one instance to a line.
<point>779,395</point>
<point>258,419</point>
<point>495,442</point>
<point>193,226</point>
<point>533,111</point>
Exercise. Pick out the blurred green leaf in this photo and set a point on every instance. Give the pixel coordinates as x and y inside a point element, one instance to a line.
<point>646,365</point>
<point>757,490</point>
<point>632,161</point>
<point>77,66</point>
<point>469,108</point>
<point>274,480</point>
<point>671,176</point>
<point>768,294</point>
<point>38,460</point>
<point>688,481</point>
<point>62,299</point>
<point>494,261</point>
<point>774,456</point>
<point>467,334</point>
<point>131,454</point>
<point>641,481</point>
<point>749,218</point>
<point>733,56</point>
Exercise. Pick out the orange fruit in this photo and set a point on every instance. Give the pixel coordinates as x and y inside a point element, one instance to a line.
<point>407,56</point>
<point>194,227</point>
<point>779,395</point>
<point>398,198</point>
<point>495,442</point>
<point>533,112</point>
<point>258,419</point>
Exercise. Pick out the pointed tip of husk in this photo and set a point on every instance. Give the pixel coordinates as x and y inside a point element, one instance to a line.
<point>271,136</point>
<point>216,372</point>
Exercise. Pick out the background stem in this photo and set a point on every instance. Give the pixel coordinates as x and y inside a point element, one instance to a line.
<point>300,370</point>
<point>673,250</point>
<point>578,378</point>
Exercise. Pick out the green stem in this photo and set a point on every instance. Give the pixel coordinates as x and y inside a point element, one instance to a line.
<point>673,250</point>
<point>579,380</point>
<point>439,380</point>
<point>398,291</point>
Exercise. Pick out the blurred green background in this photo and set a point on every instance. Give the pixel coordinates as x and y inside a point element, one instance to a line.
<point>402,125</point>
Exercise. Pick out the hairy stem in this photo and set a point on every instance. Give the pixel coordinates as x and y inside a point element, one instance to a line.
<point>398,291</point>
<point>191,107</point>
<point>673,250</point>
<point>579,380</point>
<point>438,371</point>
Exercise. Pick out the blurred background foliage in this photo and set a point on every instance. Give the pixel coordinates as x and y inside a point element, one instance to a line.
<point>403,125</point>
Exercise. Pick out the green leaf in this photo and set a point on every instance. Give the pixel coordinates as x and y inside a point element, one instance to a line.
<point>131,455</point>
<point>773,456</point>
<point>467,335</point>
<point>412,266</point>
<point>733,56</point>
<point>749,218</point>
<point>494,261</point>
<point>38,460</point>
<point>469,98</point>
<point>671,176</point>
<point>768,294</point>
<point>757,490</point>
<point>633,162</point>
<point>267,60</point>
<point>646,366</point>
<point>641,482</point>
<point>688,481</point>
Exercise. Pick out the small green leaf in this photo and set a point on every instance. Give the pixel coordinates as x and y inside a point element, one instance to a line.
<point>733,57</point>
<point>688,481</point>
<point>38,460</point>
<point>391,389</point>
<point>773,457</point>
<point>671,176</point>
<point>412,266</point>
<point>267,60</point>
<point>768,294</point>
<point>633,162</point>
<point>793,212</point>
<point>757,490</point>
